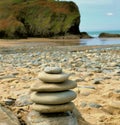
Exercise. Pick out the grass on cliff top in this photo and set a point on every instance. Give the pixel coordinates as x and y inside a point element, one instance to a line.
<point>9,9</point>
<point>17,4</point>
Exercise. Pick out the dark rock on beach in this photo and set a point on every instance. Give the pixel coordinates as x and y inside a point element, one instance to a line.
<point>94,105</point>
<point>108,35</point>
<point>85,35</point>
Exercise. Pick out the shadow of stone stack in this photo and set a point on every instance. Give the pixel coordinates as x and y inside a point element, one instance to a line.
<point>52,97</point>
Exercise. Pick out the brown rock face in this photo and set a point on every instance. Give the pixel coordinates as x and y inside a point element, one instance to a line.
<point>38,18</point>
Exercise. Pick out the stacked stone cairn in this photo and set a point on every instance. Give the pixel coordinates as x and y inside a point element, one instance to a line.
<point>52,93</point>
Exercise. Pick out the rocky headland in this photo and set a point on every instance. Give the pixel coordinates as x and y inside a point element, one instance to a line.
<point>38,18</point>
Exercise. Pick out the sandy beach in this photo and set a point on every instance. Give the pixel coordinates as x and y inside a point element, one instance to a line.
<point>96,69</point>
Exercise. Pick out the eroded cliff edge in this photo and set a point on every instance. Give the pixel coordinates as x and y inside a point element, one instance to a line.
<point>38,18</point>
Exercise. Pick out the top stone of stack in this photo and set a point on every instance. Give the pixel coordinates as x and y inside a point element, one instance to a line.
<point>53,70</point>
<point>53,75</point>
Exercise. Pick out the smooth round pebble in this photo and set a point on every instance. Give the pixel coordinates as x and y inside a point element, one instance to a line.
<point>94,105</point>
<point>46,87</point>
<point>45,77</point>
<point>53,70</point>
<point>53,98</point>
<point>53,108</point>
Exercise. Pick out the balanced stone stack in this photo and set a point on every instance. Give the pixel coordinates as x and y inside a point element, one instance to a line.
<point>52,93</point>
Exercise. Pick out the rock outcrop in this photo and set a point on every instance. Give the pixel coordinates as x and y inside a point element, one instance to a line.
<point>85,35</point>
<point>108,35</point>
<point>38,18</point>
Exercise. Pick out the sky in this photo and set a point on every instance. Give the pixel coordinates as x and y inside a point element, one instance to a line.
<point>99,15</point>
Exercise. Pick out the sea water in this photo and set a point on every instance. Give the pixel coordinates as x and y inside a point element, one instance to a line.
<point>96,33</point>
<point>99,41</point>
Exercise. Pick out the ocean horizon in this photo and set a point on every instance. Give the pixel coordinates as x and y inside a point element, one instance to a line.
<point>96,33</point>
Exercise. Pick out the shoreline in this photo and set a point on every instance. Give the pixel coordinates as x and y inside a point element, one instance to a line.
<point>38,42</point>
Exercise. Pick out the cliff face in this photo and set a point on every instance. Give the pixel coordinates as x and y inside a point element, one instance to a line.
<point>38,18</point>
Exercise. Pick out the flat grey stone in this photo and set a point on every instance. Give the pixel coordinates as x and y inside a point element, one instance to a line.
<point>53,98</point>
<point>9,101</point>
<point>83,104</point>
<point>97,81</point>
<point>7,117</point>
<point>45,77</point>
<point>53,70</point>
<point>23,100</point>
<point>35,118</point>
<point>96,70</point>
<point>7,76</point>
<point>94,105</point>
<point>88,87</point>
<point>46,87</point>
<point>80,80</point>
<point>53,108</point>
<point>117,91</point>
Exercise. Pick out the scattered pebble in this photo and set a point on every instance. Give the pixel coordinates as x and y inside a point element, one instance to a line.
<point>94,105</point>
<point>23,100</point>
<point>19,68</point>
<point>97,81</point>
<point>9,101</point>
<point>83,104</point>
<point>88,87</point>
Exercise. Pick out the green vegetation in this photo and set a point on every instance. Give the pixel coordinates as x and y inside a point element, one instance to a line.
<point>38,18</point>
